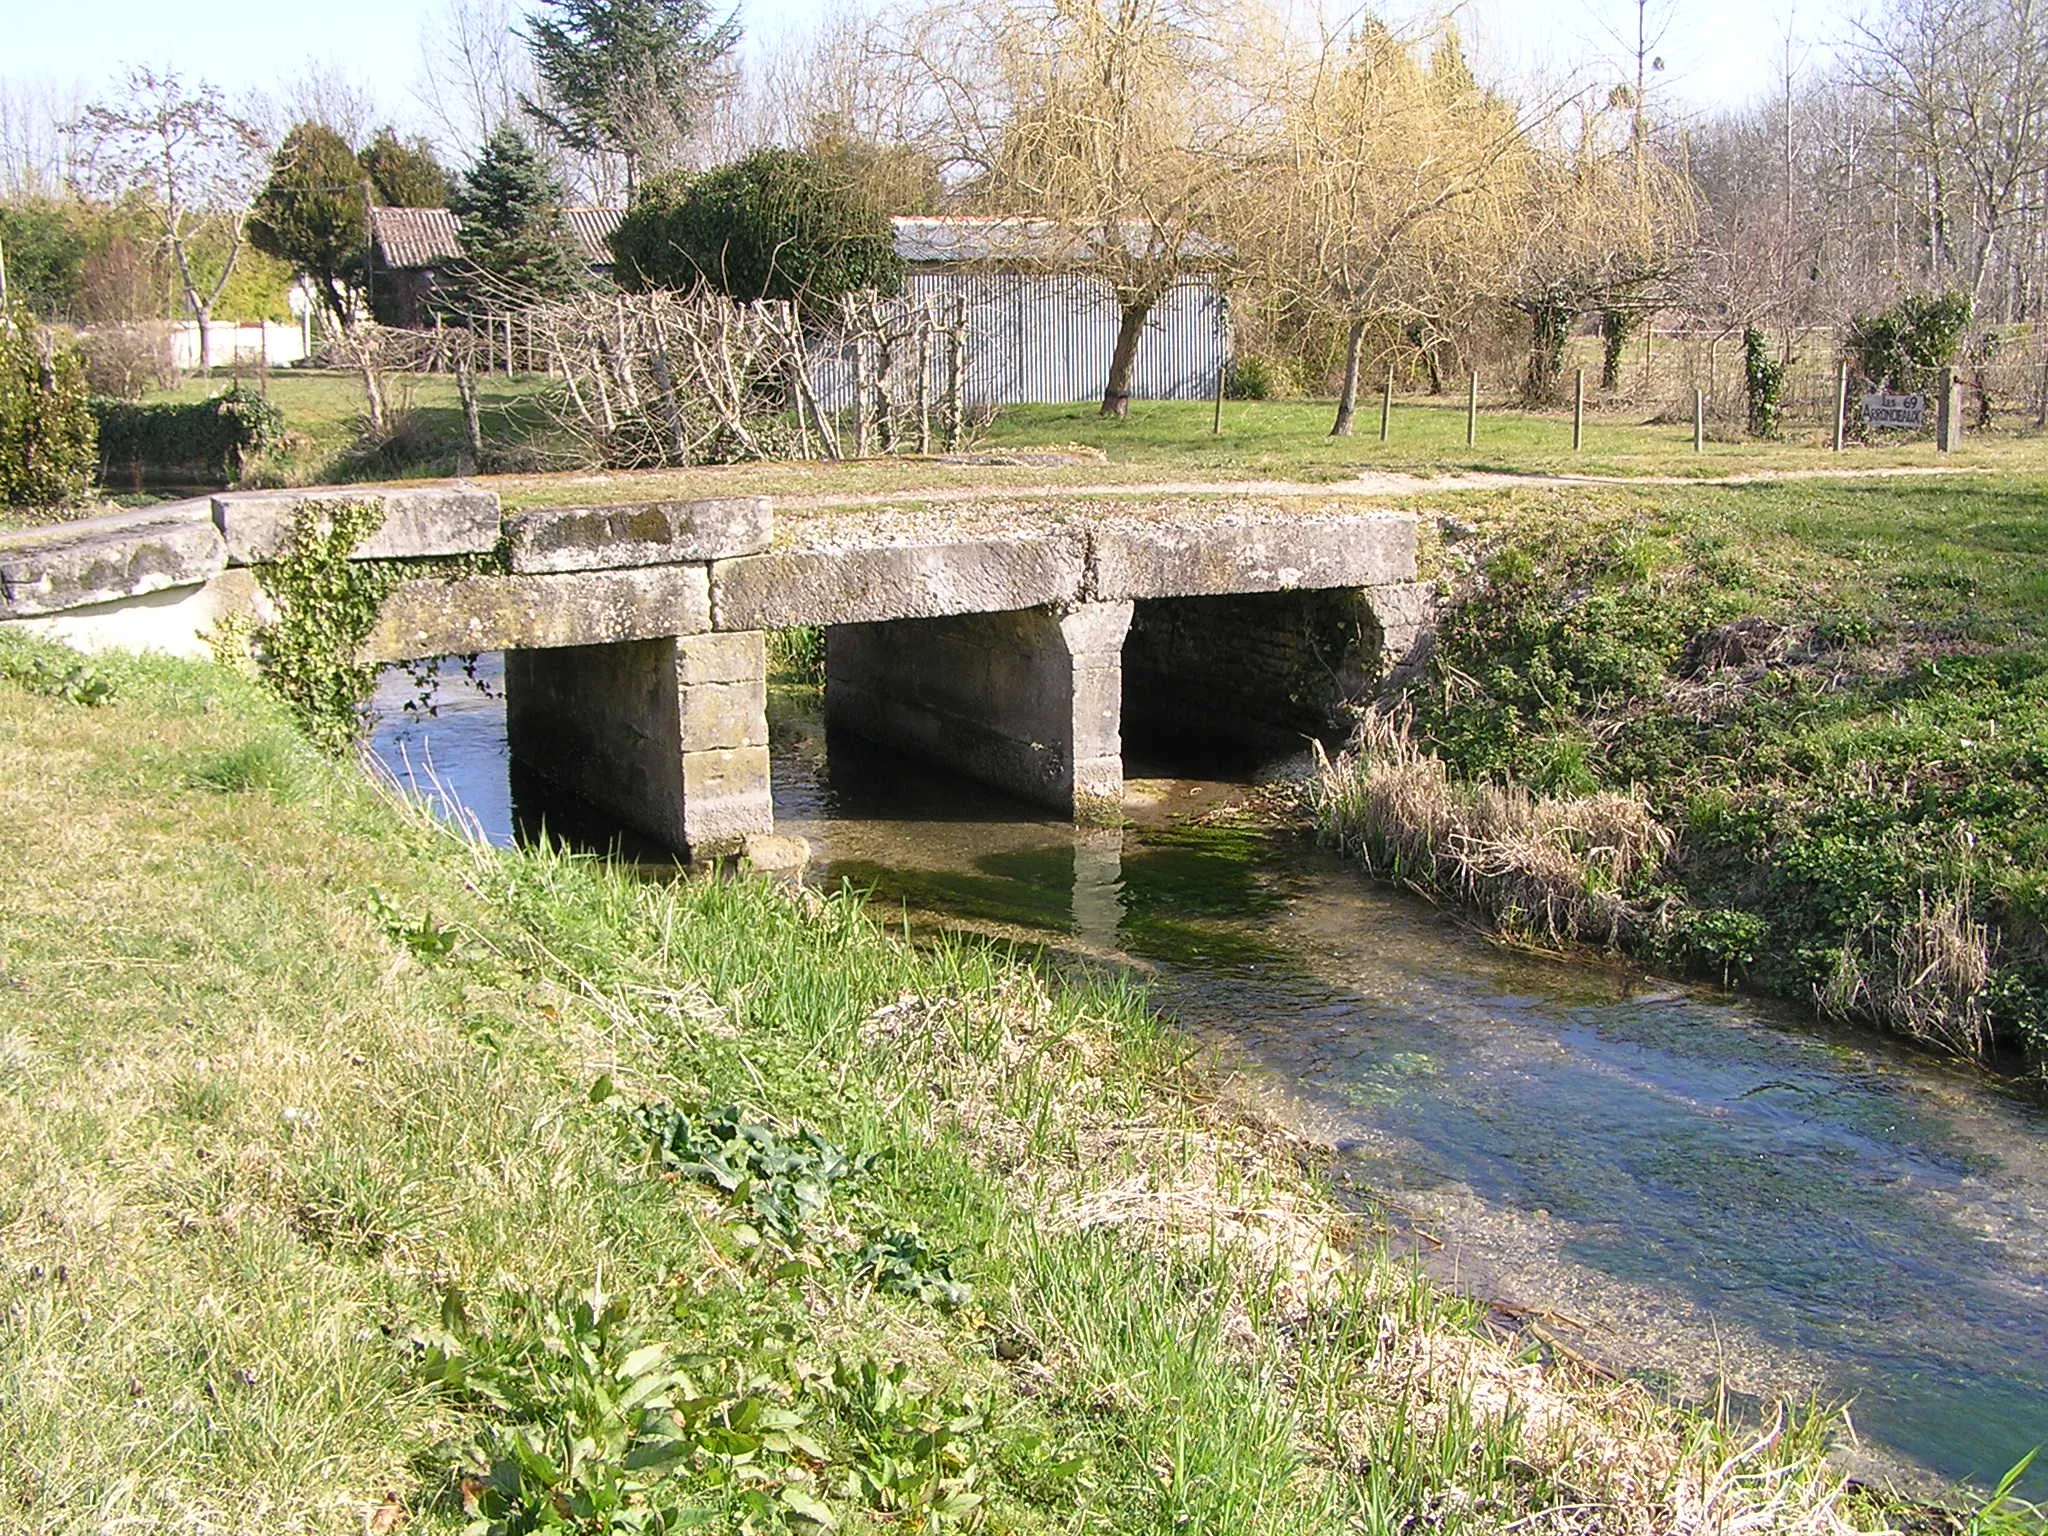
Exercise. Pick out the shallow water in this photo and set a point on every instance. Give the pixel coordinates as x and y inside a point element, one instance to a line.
<point>1712,1193</point>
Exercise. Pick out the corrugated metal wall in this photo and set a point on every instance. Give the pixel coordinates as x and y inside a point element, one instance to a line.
<point>1048,340</point>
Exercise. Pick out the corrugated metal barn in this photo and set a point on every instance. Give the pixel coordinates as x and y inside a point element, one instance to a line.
<point>1037,335</point>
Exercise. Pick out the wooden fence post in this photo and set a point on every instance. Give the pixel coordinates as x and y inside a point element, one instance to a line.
<point>1841,403</point>
<point>1387,405</point>
<point>1579,411</point>
<point>508,346</point>
<point>1948,414</point>
<point>1216,420</point>
<point>2041,416</point>
<point>1472,410</point>
<point>1699,420</point>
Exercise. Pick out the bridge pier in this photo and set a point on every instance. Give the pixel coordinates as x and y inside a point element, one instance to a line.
<point>668,735</point>
<point>1029,700</point>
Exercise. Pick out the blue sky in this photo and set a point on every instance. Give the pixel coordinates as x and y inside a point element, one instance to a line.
<point>1717,51</point>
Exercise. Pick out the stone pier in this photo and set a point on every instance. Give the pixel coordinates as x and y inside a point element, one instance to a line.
<point>670,736</point>
<point>1028,700</point>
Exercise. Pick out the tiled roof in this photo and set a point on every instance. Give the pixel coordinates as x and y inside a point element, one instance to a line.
<point>593,228</point>
<point>414,237</point>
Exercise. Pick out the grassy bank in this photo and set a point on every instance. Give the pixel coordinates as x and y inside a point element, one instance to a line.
<point>1830,699</point>
<point>354,1175</point>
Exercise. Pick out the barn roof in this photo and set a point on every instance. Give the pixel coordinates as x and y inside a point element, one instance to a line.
<point>414,237</point>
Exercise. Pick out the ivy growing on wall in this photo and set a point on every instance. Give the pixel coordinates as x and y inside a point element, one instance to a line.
<point>326,604</point>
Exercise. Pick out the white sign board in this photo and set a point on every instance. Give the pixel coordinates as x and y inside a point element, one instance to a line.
<point>1894,410</point>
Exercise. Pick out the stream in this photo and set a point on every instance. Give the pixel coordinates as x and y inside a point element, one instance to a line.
<point>1715,1194</point>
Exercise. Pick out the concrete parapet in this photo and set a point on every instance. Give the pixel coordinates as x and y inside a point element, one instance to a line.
<point>1211,554</point>
<point>104,559</point>
<point>444,617</point>
<point>419,522</point>
<point>638,533</point>
<point>629,728</point>
<point>863,583</point>
<point>1028,700</point>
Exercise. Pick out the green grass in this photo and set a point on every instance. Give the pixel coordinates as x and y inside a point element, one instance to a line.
<point>1894,747</point>
<point>328,1200</point>
<point>1291,439</point>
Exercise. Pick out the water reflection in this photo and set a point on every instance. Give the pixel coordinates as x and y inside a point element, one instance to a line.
<point>1698,1189</point>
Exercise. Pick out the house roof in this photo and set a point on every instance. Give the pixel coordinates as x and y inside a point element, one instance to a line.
<point>414,237</point>
<point>593,228</point>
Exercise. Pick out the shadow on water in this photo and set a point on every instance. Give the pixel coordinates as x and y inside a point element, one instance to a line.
<point>1716,1192</point>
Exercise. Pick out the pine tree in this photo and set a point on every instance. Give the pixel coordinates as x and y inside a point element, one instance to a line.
<point>515,246</point>
<point>628,77</point>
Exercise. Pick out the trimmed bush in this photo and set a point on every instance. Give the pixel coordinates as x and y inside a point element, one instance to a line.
<point>777,225</point>
<point>205,440</point>
<point>46,425</point>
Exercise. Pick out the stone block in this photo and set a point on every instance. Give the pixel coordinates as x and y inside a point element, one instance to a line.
<point>720,715</point>
<point>731,657</point>
<point>418,522</point>
<point>911,580</point>
<point>1201,555</point>
<point>104,559</point>
<point>725,800</point>
<point>436,617</point>
<point>177,621</point>
<point>638,533</point>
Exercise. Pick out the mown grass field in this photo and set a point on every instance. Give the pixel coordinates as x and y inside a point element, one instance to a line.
<point>1170,439</point>
<point>353,1177</point>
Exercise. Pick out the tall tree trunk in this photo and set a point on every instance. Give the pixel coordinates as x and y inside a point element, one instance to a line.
<point>1347,397</point>
<point>1130,330</point>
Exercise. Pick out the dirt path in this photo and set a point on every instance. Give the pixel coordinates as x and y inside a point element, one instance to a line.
<point>1378,485</point>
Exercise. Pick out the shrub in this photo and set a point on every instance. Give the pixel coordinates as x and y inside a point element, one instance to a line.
<point>125,362</point>
<point>775,225</point>
<point>1258,377</point>
<point>46,423</point>
<point>1763,379</point>
<point>208,440</point>
<point>1906,345</point>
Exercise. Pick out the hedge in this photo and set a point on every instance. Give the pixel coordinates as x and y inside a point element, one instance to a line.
<point>204,440</point>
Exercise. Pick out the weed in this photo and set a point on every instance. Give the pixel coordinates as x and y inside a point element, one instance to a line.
<point>54,672</point>
<point>902,1262</point>
<point>784,1178</point>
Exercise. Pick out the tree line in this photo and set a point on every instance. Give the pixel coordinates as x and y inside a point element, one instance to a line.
<point>1370,202</point>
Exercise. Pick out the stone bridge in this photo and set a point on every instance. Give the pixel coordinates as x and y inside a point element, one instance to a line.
<point>1010,642</point>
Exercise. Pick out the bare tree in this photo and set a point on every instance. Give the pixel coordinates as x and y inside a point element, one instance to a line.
<point>1114,131</point>
<point>1389,196</point>
<point>36,147</point>
<point>474,71</point>
<point>190,162</point>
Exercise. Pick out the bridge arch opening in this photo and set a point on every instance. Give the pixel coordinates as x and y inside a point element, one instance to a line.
<point>1222,684</point>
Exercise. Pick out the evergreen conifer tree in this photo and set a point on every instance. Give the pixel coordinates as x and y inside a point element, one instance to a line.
<point>515,245</point>
<point>628,77</point>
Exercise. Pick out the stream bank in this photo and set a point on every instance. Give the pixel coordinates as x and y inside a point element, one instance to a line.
<point>1714,1194</point>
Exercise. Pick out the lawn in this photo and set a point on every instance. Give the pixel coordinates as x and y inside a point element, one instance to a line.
<point>1172,440</point>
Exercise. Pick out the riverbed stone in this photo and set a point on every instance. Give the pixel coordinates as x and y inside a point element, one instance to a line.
<point>924,579</point>
<point>433,616</point>
<point>418,521</point>
<point>638,533</point>
<point>104,559</point>
<point>1209,554</point>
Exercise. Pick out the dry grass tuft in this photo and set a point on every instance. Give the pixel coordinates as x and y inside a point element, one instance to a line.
<point>1928,977</point>
<point>1547,868</point>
